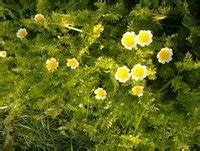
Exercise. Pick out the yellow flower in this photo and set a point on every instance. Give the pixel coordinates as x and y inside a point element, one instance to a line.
<point>144,37</point>
<point>39,17</point>
<point>73,63</point>
<point>129,40</point>
<point>165,55</point>
<point>122,74</point>
<point>21,33</point>
<point>139,72</point>
<point>97,30</point>
<point>3,54</point>
<point>137,90</point>
<point>100,93</point>
<point>52,64</point>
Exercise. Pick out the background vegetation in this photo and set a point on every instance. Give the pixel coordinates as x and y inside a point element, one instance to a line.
<point>41,110</point>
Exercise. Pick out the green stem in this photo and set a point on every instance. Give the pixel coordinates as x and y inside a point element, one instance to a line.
<point>104,136</point>
<point>165,86</point>
<point>72,28</point>
<point>8,145</point>
<point>3,107</point>
<point>139,121</point>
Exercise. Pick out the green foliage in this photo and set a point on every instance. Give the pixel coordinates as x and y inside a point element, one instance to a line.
<point>44,110</point>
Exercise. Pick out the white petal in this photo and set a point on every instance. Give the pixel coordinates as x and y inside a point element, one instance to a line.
<point>47,62</point>
<point>140,95</point>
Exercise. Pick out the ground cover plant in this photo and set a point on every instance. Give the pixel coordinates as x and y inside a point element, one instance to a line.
<point>99,75</point>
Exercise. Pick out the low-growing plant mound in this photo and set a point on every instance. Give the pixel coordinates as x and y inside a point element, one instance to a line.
<point>112,75</point>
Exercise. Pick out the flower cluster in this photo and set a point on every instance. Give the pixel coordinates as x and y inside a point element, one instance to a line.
<point>138,72</point>
<point>144,38</point>
<point>22,32</point>
<point>130,39</point>
<point>52,64</point>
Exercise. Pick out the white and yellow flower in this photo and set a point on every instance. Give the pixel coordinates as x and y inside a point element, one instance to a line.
<point>129,40</point>
<point>144,37</point>
<point>97,29</point>
<point>52,64</point>
<point>100,93</point>
<point>72,63</point>
<point>165,55</point>
<point>3,54</point>
<point>21,33</point>
<point>39,18</point>
<point>139,72</point>
<point>137,90</point>
<point>122,74</point>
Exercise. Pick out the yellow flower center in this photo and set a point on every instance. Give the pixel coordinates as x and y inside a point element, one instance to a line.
<point>97,29</point>
<point>123,74</point>
<point>143,37</point>
<point>52,64</point>
<point>164,54</point>
<point>39,18</point>
<point>73,63</point>
<point>101,93</point>
<point>129,40</point>
<point>137,90</point>
<point>138,72</point>
<point>22,33</point>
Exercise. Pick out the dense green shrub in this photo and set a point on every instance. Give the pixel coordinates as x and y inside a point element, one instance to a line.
<point>40,109</point>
